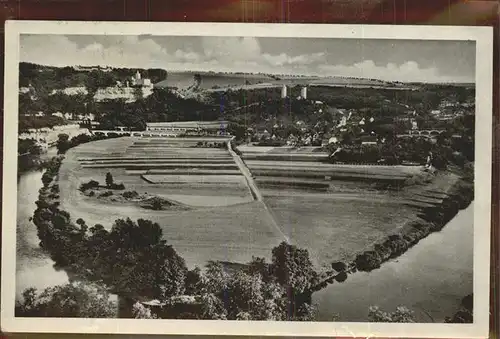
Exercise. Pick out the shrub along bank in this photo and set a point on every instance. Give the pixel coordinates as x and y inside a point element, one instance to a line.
<point>133,249</point>
<point>465,314</point>
<point>133,260</point>
<point>431,219</point>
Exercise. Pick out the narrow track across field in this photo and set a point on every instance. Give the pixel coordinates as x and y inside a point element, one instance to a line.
<point>253,186</point>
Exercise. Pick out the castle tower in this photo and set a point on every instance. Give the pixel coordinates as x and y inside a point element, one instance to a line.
<point>303,92</point>
<point>283,92</point>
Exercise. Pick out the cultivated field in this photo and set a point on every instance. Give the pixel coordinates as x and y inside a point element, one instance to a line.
<point>214,229</point>
<point>308,165</point>
<point>336,226</point>
<point>218,81</point>
<point>335,211</point>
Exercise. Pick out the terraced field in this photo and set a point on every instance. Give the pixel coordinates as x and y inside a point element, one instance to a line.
<point>335,211</point>
<point>168,166</point>
<point>306,168</point>
<point>206,179</point>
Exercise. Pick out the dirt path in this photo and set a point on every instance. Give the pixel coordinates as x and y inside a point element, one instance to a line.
<point>253,187</point>
<point>246,172</point>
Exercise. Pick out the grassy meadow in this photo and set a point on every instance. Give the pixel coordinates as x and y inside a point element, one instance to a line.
<point>213,230</point>
<point>334,211</point>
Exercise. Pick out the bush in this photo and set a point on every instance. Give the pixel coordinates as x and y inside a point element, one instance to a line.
<point>383,251</point>
<point>89,185</point>
<point>76,300</point>
<point>237,151</point>
<point>119,186</point>
<point>396,244</point>
<point>368,261</point>
<point>401,315</point>
<point>130,194</point>
<point>341,277</point>
<point>106,194</point>
<point>46,179</point>
<point>339,266</point>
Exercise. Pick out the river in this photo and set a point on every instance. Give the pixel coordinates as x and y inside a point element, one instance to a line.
<point>430,279</point>
<point>34,268</point>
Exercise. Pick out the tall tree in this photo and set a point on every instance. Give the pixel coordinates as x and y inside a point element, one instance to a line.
<point>109,179</point>
<point>63,143</point>
<point>292,268</point>
<point>400,315</point>
<point>75,300</point>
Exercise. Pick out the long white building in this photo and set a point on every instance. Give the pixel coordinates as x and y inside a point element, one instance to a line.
<point>185,126</point>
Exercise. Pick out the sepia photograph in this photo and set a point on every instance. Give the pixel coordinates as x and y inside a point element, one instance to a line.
<point>246,179</point>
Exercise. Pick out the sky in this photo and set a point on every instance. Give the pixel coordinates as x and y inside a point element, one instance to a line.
<point>392,60</point>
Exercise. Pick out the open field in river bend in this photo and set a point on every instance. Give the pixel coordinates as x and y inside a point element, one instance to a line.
<point>225,223</point>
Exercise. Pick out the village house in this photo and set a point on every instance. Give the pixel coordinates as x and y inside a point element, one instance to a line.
<point>368,140</point>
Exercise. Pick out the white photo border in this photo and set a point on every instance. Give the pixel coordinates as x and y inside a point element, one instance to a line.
<point>483,36</point>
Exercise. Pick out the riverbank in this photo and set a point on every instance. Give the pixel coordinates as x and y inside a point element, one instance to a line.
<point>34,162</point>
<point>339,276</point>
<point>430,279</point>
<point>465,312</point>
<point>431,218</point>
<point>34,267</point>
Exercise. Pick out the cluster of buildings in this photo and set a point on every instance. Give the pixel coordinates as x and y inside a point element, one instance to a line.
<point>449,109</point>
<point>194,128</point>
<point>127,91</point>
<point>122,90</point>
<point>322,133</point>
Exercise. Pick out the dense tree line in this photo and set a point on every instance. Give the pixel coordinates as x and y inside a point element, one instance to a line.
<point>76,300</point>
<point>64,143</point>
<point>130,249</point>
<point>28,155</point>
<point>62,77</point>
<point>162,105</point>
<point>43,80</point>
<point>28,146</point>
<point>30,122</point>
<point>400,315</point>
